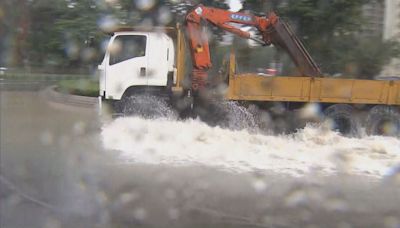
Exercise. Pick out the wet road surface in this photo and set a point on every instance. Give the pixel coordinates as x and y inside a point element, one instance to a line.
<point>55,173</point>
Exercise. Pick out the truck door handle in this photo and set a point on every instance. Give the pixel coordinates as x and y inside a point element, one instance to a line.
<point>143,71</point>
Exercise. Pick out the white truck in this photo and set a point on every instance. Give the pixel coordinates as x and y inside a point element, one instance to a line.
<point>136,59</point>
<point>139,63</point>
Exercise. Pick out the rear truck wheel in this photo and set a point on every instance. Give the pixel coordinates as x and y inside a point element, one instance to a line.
<point>341,118</point>
<point>263,119</point>
<point>238,117</point>
<point>277,118</point>
<point>383,120</point>
<point>148,106</point>
<point>226,114</point>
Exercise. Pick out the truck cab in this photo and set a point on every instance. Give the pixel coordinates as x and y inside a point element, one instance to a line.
<point>136,59</point>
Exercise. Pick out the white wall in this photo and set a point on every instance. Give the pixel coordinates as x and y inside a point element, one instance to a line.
<point>391,24</point>
<point>392,31</point>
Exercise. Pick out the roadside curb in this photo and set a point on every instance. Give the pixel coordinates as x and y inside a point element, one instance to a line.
<point>69,99</point>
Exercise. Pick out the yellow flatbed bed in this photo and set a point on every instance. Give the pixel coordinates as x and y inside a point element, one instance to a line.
<point>252,87</point>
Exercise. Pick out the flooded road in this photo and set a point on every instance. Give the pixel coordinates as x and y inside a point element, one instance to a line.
<point>61,167</point>
<point>312,150</point>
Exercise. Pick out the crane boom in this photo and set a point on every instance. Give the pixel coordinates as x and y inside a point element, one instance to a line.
<point>282,35</point>
<point>273,31</point>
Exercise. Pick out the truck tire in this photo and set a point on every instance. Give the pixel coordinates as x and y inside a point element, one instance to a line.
<point>343,119</point>
<point>263,119</point>
<point>383,120</point>
<point>226,114</point>
<point>146,106</point>
<point>237,117</point>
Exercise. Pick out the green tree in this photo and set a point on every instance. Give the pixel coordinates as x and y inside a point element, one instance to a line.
<point>58,31</point>
<point>371,55</point>
<point>331,31</point>
<point>14,26</point>
<point>328,28</point>
<point>56,34</point>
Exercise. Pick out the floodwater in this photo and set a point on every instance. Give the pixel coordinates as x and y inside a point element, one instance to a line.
<point>63,167</point>
<point>312,150</point>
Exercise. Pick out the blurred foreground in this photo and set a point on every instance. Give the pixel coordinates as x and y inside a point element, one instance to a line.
<point>60,167</point>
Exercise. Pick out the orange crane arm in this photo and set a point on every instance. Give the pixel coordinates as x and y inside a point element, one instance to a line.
<point>271,28</point>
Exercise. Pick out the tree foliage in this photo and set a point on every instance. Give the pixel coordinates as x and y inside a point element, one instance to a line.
<point>332,30</point>
<point>59,34</point>
<point>67,34</point>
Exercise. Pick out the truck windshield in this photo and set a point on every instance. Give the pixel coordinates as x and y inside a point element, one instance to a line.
<point>127,47</point>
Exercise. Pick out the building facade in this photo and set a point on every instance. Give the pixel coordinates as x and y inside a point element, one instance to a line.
<point>392,32</point>
<point>374,15</point>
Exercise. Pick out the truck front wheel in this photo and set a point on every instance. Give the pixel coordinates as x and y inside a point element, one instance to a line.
<point>147,106</point>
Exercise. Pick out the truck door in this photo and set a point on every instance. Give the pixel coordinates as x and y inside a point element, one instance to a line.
<point>126,64</point>
<point>160,55</point>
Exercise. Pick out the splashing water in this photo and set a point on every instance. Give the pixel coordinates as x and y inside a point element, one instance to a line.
<point>237,117</point>
<point>191,142</point>
<point>149,107</point>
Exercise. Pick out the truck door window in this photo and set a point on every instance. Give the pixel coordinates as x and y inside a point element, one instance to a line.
<point>127,47</point>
